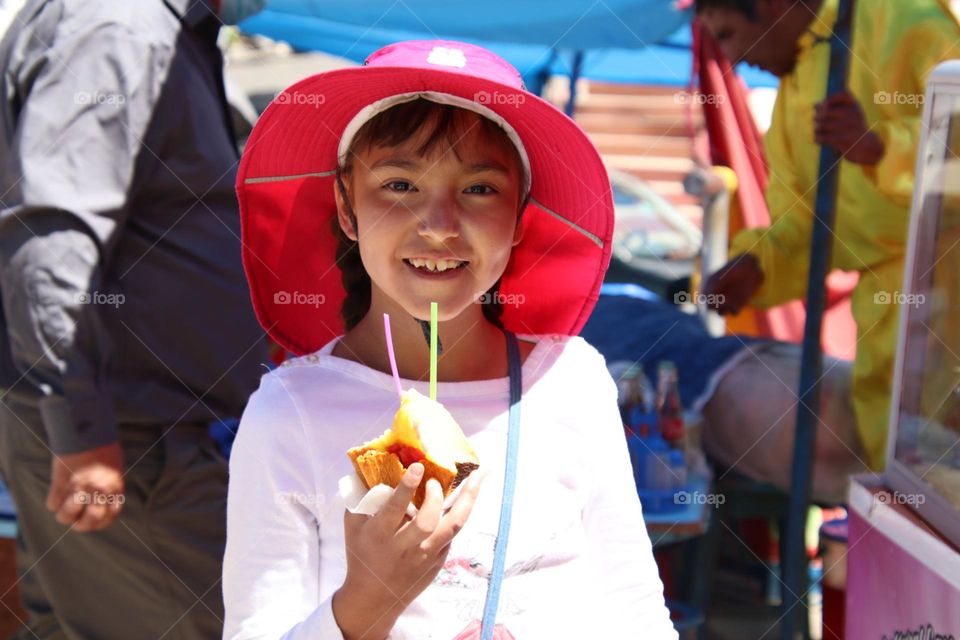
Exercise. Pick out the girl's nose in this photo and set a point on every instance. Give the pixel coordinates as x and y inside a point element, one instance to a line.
<point>440,220</point>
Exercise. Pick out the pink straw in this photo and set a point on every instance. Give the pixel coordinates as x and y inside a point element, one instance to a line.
<point>393,356</point>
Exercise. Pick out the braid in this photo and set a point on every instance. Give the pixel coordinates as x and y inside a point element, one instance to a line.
<point>353,275</point>
<point>492,309</point>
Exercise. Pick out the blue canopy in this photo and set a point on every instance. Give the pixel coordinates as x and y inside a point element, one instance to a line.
<point>561,24</point>
<point>630,41</point>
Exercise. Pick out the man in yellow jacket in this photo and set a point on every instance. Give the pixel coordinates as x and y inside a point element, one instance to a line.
<point>875,127</point>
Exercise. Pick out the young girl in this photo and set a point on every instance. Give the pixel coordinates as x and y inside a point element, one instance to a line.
<point>431,175</point>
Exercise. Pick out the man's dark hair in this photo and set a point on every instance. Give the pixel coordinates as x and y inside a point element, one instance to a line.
<point>746,7</point>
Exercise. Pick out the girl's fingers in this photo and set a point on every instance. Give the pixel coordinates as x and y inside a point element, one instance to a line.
<point>430,510</point>
<point>451,523</point>
<point>420,528</point>
<point>392,514</point>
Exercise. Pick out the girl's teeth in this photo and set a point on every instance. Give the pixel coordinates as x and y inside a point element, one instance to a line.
<point>434,265</point>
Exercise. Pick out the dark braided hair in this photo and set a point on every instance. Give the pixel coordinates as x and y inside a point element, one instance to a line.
<point>391,128</point>
<point>354,277</point>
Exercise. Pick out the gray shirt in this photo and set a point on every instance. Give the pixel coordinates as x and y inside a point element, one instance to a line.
<point>123,296</point>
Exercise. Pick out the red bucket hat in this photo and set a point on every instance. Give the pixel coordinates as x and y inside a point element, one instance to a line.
<point>286,190</point>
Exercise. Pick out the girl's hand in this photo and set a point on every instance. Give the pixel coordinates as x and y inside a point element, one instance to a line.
<point>392,558</point>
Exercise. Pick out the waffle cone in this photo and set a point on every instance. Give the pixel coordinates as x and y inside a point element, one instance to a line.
<point>380,467</point>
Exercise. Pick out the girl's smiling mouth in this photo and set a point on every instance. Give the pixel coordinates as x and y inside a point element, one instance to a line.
<point>431,267</point>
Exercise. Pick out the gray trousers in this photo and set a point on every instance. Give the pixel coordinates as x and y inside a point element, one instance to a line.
<point>153,573</point>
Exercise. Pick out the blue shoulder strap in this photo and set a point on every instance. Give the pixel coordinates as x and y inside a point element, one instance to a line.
<point>510,476</point>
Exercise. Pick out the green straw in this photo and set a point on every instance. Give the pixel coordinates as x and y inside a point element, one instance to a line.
<point>433,350</point>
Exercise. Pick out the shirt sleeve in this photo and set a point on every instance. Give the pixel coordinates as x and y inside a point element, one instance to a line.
<point>914,55</point>
<point>271,566</point>
<point>84,103</point>
<point>783,248</point>
<point>625,577</point>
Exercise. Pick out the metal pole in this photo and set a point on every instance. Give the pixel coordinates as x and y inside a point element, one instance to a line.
<point>821,248</point>
<point>574,76</point>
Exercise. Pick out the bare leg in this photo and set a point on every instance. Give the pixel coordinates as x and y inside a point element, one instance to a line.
<point>750,420</point>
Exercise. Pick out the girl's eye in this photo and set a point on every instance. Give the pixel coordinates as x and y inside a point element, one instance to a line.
<point>481,189</point>
<point>399,186</point>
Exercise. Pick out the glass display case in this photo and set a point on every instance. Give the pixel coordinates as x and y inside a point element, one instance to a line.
<point>923,462</point>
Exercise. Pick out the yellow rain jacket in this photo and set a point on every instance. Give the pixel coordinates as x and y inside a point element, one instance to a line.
<point>896,43</point>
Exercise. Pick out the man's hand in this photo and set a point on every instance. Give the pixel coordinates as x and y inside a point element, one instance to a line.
<point>839,122</point>
<point>734,284</point>
<point>86,488</point>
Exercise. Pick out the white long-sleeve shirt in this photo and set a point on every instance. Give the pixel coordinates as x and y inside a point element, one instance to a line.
<point>579,562</point>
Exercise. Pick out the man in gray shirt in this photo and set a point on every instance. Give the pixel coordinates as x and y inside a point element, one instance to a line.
<point>127,326</point>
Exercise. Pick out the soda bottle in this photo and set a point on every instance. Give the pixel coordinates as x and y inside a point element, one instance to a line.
<point>635,398</point>
<point>669,409</point>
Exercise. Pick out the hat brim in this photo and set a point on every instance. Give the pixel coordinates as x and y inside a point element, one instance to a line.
<point>286,194</point>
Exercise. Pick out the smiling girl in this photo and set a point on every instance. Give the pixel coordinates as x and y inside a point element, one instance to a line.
<point>431,175</point>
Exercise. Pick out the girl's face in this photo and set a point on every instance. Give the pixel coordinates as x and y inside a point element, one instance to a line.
<point>438,227</point>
